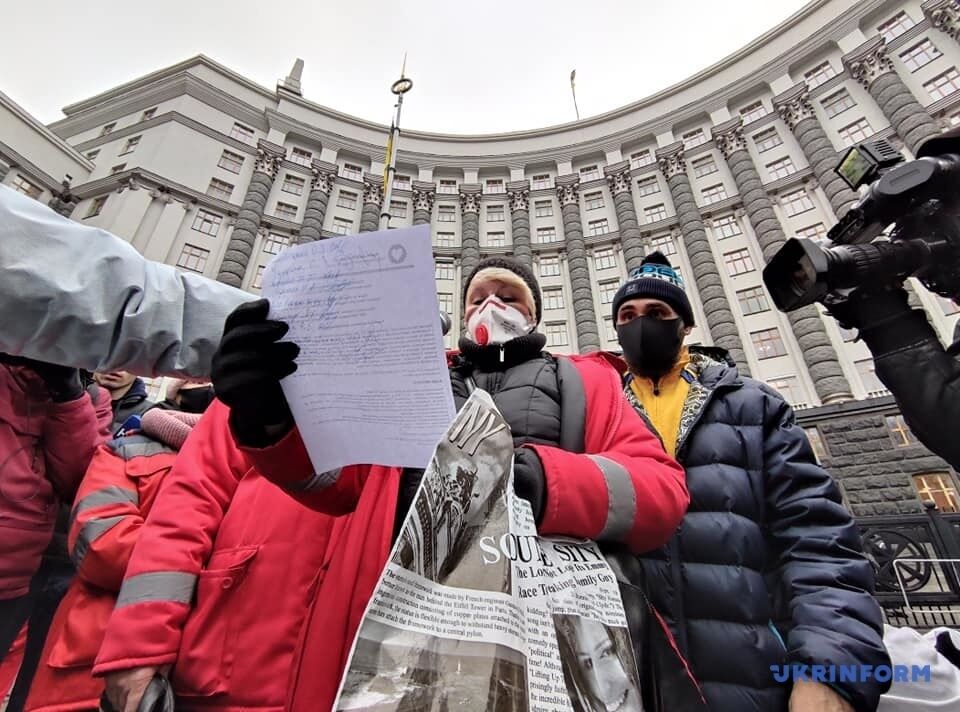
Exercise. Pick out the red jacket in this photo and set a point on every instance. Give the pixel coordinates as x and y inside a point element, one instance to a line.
<point>45,448</point>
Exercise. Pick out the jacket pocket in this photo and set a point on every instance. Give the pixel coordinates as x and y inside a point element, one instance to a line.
<point>207,648</point>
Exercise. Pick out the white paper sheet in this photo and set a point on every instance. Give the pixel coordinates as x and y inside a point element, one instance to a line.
<point>372,384</point>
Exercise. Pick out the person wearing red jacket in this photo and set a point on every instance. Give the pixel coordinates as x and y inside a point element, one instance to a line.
<point>585,461</point>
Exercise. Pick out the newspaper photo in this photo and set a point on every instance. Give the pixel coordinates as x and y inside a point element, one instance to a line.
<point>475,611</point>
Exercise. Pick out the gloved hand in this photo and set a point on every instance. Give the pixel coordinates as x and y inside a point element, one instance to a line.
<point>885,320</point>
<point>63,382</point>
<point>247,369</point>
<point>529,481</point>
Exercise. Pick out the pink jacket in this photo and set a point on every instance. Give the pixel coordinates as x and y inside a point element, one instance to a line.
<point>45,448</point>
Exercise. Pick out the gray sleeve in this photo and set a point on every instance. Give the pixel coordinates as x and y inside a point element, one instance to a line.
<point>80,296</point>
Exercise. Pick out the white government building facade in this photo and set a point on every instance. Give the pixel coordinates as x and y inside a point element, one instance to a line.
<point>201,168</point>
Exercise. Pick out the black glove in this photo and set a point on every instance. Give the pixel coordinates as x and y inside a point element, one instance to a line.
<point>63,382</point>
<point>246,374</point>
<point>884,318</point>
<point>528,480</point>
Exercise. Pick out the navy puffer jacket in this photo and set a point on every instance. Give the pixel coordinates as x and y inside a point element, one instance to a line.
<point>766,568</point>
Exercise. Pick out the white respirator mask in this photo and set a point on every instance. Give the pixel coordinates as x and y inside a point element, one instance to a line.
<point>497,323</point>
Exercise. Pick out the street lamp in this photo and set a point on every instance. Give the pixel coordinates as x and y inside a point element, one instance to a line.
<point>399,88</point>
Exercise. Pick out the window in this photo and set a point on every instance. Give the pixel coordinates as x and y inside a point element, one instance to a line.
<point>543,208</point>
<point>920,55</point>
<point>948,306</point>
<point>655,213</point>
<point>704,166</point>
<point>351,171</point>
<point>293,184</point>
<point>93,154</point>
<point>108,128</point>
<point>797,202</point>
<point>398,208</point>
<point>273,243</point>
<point>727,226</point>
<point>608,290</point>
<point>609,330</point>
<point>788,387</point>
<point>858,131</point>
<point>542,181</point>
<point>639,159</point>
<point>401,182</point>
<point>258,277</point>
<point>598,227</point>
<point>553,298</point>
<point>781,168</point>
<point>131,145</point>
<point>220,189</point>
<point>495,213</point>
<point>346,199</point>
<point>445,300</point>
<point>944,84</point>
<point>693,138</point>
<point>604,258</point>
<point>546,234</point>
<point>817,444</point>
<point>939,488</point>
<point>230,161</point>
<point>767,139</point>
<point>557,335</point>
<point>446,213</point>
<point>837,103</point>
<point>549,266</point>
<point>588,173</point>
<point>817,232</point>
<point>753,112</point>
<point>899,431</point>
<point>752,301</point>
<point>342,226</point>
<point>447,186</point>
<point>22,185</point>
<point>443,270</point>
<point>738,262</point>
<point>895,26</point>
<point>714,193</point>
<point>648,186</point>
<point>819,74</point>
<point>494,185</point>
<point>242,133</point>
<point>767,343</point>
<point>593,201</point>
<point>206,222</point>
<point>193,258</point>
<point>285,210</point>
<point>444,239</point>
<point>666,245</point>
<point>301,156</point>
<point>148,114</point>
<point>868,377</point>
<point>496,239</point>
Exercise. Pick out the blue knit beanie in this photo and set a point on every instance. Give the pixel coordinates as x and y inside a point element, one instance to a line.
<point>656,279</point>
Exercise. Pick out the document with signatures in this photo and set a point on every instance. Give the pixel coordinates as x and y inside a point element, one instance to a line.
<point>371,385</point>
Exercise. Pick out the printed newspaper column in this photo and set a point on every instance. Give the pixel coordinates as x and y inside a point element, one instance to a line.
<point>475,612</point>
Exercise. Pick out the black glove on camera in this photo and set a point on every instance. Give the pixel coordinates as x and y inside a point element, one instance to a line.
<point>247,369</point>
<point>884,318</point>
<point>62,382</point>
<point>529,481</point>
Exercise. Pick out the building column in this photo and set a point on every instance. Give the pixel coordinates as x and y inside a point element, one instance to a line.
<point>233,268</point>
<point>324,174</point>
<point>797,113</point>
<point>870,65</point>
<point>423,196</point>
<point>518,192</point>
<point>568,192</point>
<point>618,179</point>
<point>470,227</point>
<point>720,320</point>
<point>943,15</point>
<point>818,353</point>
<point>372,202</point>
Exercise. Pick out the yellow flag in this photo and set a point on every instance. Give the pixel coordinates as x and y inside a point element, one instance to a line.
<point>386,160</point>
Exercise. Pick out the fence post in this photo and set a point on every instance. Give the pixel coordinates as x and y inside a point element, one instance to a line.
<point>946,544</point>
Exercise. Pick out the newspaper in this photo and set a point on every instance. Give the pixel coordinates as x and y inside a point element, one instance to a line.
<point>474,611</point>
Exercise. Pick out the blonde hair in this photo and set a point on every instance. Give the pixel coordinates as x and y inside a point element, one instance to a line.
<point>501,274</point>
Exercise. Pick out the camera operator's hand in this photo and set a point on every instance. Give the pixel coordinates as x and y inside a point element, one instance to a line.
<point>247,369</point>
<point>884,318</point>
<point>62,382</point>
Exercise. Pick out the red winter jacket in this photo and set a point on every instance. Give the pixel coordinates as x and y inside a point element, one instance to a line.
<point>45,448</point>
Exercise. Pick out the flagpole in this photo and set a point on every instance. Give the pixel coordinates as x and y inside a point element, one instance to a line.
<point>573,90</point>
<point>399,88</point>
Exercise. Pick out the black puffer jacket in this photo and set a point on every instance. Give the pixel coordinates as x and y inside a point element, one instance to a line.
<point>766,567</point>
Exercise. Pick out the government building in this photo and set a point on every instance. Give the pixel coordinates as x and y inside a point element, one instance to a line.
<point>204,169</point>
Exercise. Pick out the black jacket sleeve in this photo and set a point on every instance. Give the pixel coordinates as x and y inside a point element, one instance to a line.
<point>824,582</point>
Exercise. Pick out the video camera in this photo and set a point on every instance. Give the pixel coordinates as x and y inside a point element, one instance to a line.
<point>920,198</point>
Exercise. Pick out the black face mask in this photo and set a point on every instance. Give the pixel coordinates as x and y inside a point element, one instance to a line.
<point>195,400</point>
<point>650,345</point>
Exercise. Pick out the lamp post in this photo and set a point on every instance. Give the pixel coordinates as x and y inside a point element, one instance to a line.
<point>399,88</point>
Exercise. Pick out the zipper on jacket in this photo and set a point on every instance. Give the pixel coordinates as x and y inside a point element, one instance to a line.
<point>501,353</point>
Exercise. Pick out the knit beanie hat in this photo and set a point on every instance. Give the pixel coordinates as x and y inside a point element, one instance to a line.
<point>511,265</point>
<point>656,279</point>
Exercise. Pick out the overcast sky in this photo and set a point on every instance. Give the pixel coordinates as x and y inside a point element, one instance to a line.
<point>478,67</point>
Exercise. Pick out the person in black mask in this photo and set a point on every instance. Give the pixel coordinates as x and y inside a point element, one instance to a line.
<point>766,568</point>
<point>188,396</point>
